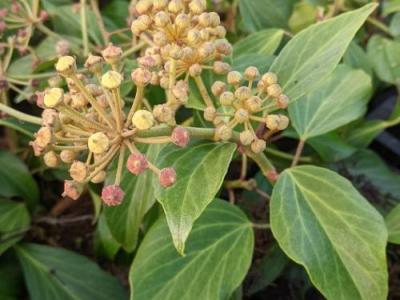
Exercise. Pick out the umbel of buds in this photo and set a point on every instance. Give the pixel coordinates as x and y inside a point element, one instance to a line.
<point>87,129</point>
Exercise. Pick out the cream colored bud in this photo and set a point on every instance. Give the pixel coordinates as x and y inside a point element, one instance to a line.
<point>283,101</point>
<point>254,104</point>
<point>251,73</point>
<point>94,63</point>
<point>143,6</point>
<point>220,32</point>
<point>175,6</point>
<point>175,52</point>
<point>246,137</point>
<point>274,91</point>
<point>195,70</point>
<point>277,122</point>
<point>198,6</point>
<point>243,93</point>
<point>163,113</point>
<point>162,19</point>
<point>112,54</point>
<point>160,39</point>
<point>188,54</point>
<point>55,81</point>
<point>182,21</point>
<point>193,36</point>
<point>53,97</point>
<point>66,65</point>
<point>221,68</point>
<point>205,20</point>
<point>210,113</point>
<point>51,159</point>
<point>215,20</point>
<point>111,80</point>
<point>160,4</point>
<point>78,171</point>
<point>136,28</point>
<point>234,78</point>
<point>94,89</point>
<point>50,118</point>
<point>218,88</point>
<point>223,133</point>
<point>283,122</point>
<point>258,146</point>
<point>68,156</point>
<point>270,78</point>
<point>261,86</point>
<point>100,177</point>
<point>227,98</point>
<point>98,143</point>
<point>207,50</point>
<point>223,47</point>
<point>241,115</point>
<point>43,137</point>
<point>143,119</point>
<point>205,34</point>
<point>141,76</point>
<point>78,100</point>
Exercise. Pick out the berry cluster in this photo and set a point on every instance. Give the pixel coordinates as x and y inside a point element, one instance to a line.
<point>86,127</point>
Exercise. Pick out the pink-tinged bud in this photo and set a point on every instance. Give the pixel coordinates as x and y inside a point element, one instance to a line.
<point>112,54</point>
<point>137,163</point>
<point>37,150</point>
<point>72,189</point>
<point>180,137</point>
<point>43,15</point>
<point>62,47</point>
<point>112,195</point>
<point>3,13</point>
<point>40,99</point>
<point>15,7</point>
<point>3,26</point>
<point>167,177</point>
<point>272,175</point>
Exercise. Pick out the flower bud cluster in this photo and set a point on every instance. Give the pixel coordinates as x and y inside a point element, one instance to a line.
<point>247,99</point>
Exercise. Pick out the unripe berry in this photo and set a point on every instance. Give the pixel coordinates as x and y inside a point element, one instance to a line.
<point>258,146</point>
<point>251,73</point>
<point>223,133</point>
<point>243,93</point>
<point>111,80</point>
<point>274,91</point>
<point>94,63</point>
<point>99,178</point>
<point>221,68</point>
<point>195,70</point>
<point>78,171</point>
<point>68,156</point>
<point>218,88</point>
<point>43,137</point>
<point>246,137</point>
<point>163,113</point>
<point>167,177</point>
<point>234,78</point>
<point>112,195</point>
<point>241,115</point>
<point>269,78</point>
<point>254,104</point>
<point>180,137</point>
<point>137,163</point>
<point>98,143</point>
<point>198,6</point>
<point>210,113</point>
<point>141,76</point>
<point>227,98</point>
<point>283,101</point>
<point>143,119</point>
<point>53,97</point>
<point>51,159</point>
<point>66,65</point>
<point>72,189</point>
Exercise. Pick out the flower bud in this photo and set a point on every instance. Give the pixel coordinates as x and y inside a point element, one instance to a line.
<point>223,133</point>
<point>227,98</point>
<point>180,137</point>
<point>94,63</point>
<point>163,113</point>
<point>137,163</point>
<point>98,143</point>
<point>37,150</point>
<point>66,65</point>
<point>143,119</point>
<point>112,54</point>
<point>206,50</point>
<point>111,80</point>
<point>274,91</point>
<point>51,159</point>
<point>223,47</point>
<point>143,6</point>
<point>100,177</point>
<point>218,88</point>
<point>246,137</point>
<point>269,78</point>
<point>241,115</point>
<point>193,36</point>
<point>210,113</point>
<point>251,73</point>
<point>220,32</point>
<point>43,137</point>
<point>112,195</point>
<point>258,146</point>
<point>167,177</point>
<point>283,101</point>
<point>72,189</point>
<point>272,175</point>
<point>78,101</point>
<point>68,156</point>
<point>55,81</point>
<point>221,68</point>
<point>78,171</point>
<point>198,6</point>
<point>243,93</point>
<point>277,122</point>
<point>182,21</point>
<point>141,76</point>
<point>175,6</point>
<point>175,52</point>
<point>204,20</point>
<point>160,39</point>
<point>161,19</point>
<point>62,47</point>
<point>160,4</point>
<point>195,70</point>
<point>254,104</point>
<point>234,78</point>
<point>215,20</point>
<point>53,97</point>
<point>261,86</point>
<point>50,118</point>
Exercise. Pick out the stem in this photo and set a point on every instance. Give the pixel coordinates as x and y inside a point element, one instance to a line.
<point>299,151</point>
<point>118,110</point>
<point>263,162</point>
<point>133,49</point>
<point>20,115</point>
<point>95,7</point>
<point>287,156</point>
<point>261,226</point>
<point>120,165</point>
<point>84,28</point>
<point>136,103</point>
<point>203,91</point>
<point>243,171</point>
<point>77,117</point>
<point>378,24</point>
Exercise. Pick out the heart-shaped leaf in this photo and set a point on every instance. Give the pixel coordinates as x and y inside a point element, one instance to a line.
<point>218,256</point>
<point>315,52</point>
<point>200,170</point>
<point>323,223</point>
<point>393,225</point>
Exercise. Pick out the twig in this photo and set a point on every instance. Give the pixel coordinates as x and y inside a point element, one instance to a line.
<point>299,151</point>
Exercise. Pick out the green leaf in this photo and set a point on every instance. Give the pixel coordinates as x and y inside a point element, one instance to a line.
<point>105,244</point>
<point>395,25</point>
<point>391,6</point>
<point>218,255</point>
<point>315,52</point>
<point>357,58</point>
<point>200,170</point>
<point>304,15</point>
<point>384,57</point>
<point>14,221</point>
<point>54,273</point>
<point>331,147</point>
<point>364,134</point>
<point>340,99</point>
<point>324,224</point>
<point>261,42</point>
<point>393,225</point>
<point>261,14</point>
<point>11,281</point>
<point>124,220</point>
<point>262,61</point>
<point>16,181</point>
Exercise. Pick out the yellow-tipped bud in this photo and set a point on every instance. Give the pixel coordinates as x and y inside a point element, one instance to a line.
<point>143,119</point>
<point>111,80</point>
<point>53,97</point>
<point>198,6</point>
<point>270,78</point>
<point>66,65</point>
<point>51,159</point>
<point>274,91</point>
<point>98,143</point>
<point>246,137</point>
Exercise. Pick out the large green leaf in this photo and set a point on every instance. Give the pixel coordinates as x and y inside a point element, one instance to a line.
<point>384,57</point>
<point>14,221</point>
<point>324,224</point>
<point>331,147</point>
<point>218,255</point>
<point>357,58</point>
<point>391,6</point>
<point>393,225</point>
<point>16,181</point>
<point>315,52</point>
<point>261,14</point>
<point>11,280</point>
<point>340,99</point>
<point>54,273</point>
<point>124,220</point>
<point>261,42</point>
<point>200,169</point>
<point>105,244</point>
